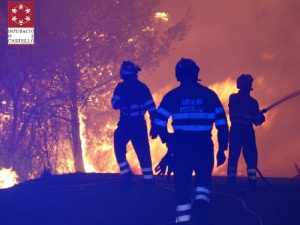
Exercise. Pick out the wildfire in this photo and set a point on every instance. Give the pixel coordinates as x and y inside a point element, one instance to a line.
<point>88,166</point>
<point>224,90</point>
<point>162,16</point>
<point>99,156</point>
<point>98,150</point>
<point>65,160</point>
<point>8,178</point>
<point>99,153</point>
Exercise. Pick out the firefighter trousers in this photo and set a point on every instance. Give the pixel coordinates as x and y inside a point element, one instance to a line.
<point>242,139</point>
<point>136,132</point>
<point>192,155</point>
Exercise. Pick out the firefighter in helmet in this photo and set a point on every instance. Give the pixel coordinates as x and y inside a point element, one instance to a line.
<point>194,109</point>
<point>133,99</point>
<point>244,112</point>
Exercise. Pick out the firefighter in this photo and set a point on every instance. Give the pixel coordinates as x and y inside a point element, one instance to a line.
<point>194,109</point>
<point>244,112</point>
<point>133,99</point>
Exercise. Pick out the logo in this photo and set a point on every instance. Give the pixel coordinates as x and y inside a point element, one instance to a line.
<point>20,23</point>
<point>21,14</point>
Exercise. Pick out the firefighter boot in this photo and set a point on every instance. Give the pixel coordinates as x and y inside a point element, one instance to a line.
<point>200,213</point>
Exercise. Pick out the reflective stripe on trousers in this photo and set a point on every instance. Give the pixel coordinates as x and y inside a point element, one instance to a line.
<point>202,193</point>
<point>183,213</point>
<point>147,173</point>
<point>136,132</point>
<point>124,167</point>
<point>251,173</point>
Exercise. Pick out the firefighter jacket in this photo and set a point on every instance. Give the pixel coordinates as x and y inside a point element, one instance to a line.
<point>242,109</point>
<point>194,109</point>
<point>133,99</point>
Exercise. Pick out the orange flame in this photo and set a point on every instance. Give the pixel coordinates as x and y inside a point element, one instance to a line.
<point>88,166</point>
<point>162,16</point>
<point>98,152</point>
<point>224,90</point>
<point>8,178</point>
<point>100,157</point>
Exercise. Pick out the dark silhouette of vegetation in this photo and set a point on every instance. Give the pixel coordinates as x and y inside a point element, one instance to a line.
<point>75,60</point>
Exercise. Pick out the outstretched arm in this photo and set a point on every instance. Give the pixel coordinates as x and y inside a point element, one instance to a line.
<point>258,118</point>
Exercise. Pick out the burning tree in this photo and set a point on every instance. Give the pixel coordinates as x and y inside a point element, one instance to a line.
<point>78,48</point>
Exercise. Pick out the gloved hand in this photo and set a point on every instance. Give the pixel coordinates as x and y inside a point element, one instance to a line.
<point>165,166</point>
<point>220,157</point>
<point>259,119</point>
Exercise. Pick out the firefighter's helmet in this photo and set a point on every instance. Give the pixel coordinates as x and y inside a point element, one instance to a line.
<point>129,70</point>
<point>244,82</point>
<point>186,69</point>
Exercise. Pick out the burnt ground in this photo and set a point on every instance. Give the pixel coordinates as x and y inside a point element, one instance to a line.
<point>95,199</point>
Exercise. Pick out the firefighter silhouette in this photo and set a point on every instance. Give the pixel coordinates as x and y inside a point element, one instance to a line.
<point>244,112</point>
<point>194,109</point>
<point>133,99</point>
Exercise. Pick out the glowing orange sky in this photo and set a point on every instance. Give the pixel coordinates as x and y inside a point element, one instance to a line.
<point>261,37</point>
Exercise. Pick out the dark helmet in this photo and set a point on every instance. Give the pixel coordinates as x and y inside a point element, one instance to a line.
<point>129,70</point>
<point>186,69</point>
<point>245,82</point>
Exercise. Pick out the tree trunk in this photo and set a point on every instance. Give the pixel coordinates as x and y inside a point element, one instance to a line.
<point>75,127</point>
<point>73,77</point>
<point>11,148</point>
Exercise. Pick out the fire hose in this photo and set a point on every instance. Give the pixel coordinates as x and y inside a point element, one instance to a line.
<point>275,104</point>
<point>280,101</point>
<point>242,202</point>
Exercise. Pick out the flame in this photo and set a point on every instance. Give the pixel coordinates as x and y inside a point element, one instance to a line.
<point>65,161</point>
<point>223,89</point>
<point>98,152</point>
<point>88,166</point>
<point>8,178</point>
<point>162,16</point>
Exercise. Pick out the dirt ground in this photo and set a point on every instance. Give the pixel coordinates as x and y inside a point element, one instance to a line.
<point>96,199</point>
